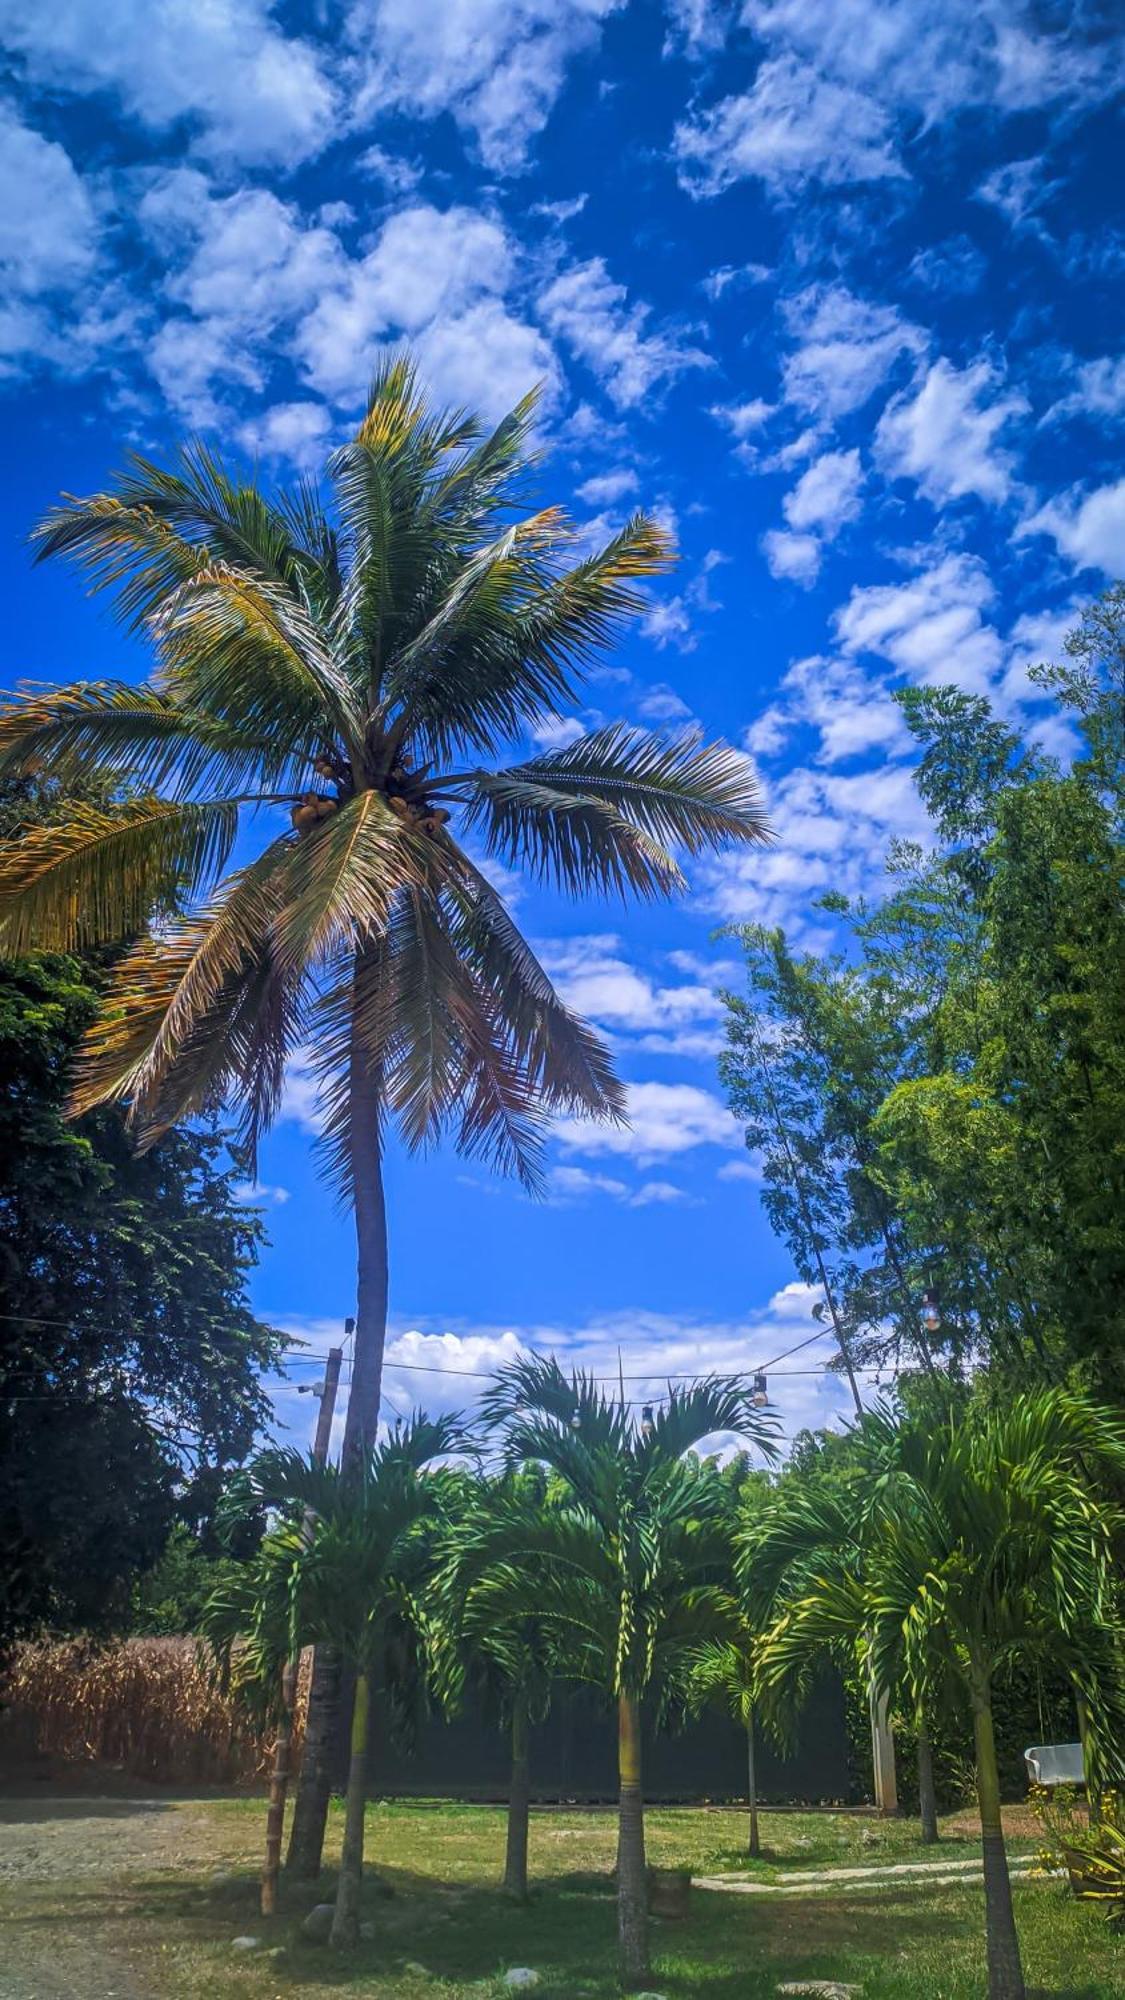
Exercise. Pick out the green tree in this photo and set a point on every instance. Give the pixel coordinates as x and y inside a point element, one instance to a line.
<point>724,1675</point>
<point>352,1560</point>
<point>512,1660</point>
<point>130,1359</point>
<point>335,677</point>
<point>630,1567</point>
<point>982,1540</point>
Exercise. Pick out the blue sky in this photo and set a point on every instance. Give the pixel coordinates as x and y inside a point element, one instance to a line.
<point>834,286</point>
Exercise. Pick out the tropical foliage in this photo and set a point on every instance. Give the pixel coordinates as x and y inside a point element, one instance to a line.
<point>940,1098</point>
<point>969,1542</point>
<point>337,675</point>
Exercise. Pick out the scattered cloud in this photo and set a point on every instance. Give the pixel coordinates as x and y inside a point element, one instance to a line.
<point>1098,392</point>
<point>498,68</point>
<point>946,435</point>
<point>845,349</point>
<point>587,309</point>
<point>734,277</point>
<point>260,1194</point>
<point>295,432</point>
<point>665,1120</point>
<point>1019,189</point>
<point>793,126</point>
<point>247,91</point>
<point>605,488</point>
<point>793,557</point>
<point>1086,527</point>
<point>931,626</point>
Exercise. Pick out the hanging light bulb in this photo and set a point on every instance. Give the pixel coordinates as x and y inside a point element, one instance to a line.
<point>931,1311</point>
<point>759,1394</point>
<point>647,1425</point>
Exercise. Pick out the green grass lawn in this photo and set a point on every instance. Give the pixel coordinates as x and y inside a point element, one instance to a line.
<point>136,1896</point>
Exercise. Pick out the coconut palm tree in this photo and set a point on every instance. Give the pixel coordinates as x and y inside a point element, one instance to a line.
<point>336,675</point>
<point>982,1540</point>
<point>630,1566</point>
<point>353,1558</point>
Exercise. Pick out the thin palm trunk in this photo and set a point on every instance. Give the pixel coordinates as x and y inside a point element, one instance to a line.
<point>519,1799</point>
<point>310,1807</point>
<point>1005,1970</point>
<point>632,1882</point>
<point>310,1812</point>
<point>927,1797</point>
<point>345,1922</point>
<point>279,1788</point>
<point>755,1846</point>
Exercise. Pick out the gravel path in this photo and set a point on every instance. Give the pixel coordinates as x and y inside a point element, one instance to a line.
<point>52,1845</point>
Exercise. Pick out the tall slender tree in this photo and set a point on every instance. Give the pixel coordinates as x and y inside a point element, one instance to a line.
<point>334,673</point>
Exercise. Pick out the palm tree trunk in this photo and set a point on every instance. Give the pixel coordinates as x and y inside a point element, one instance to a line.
<point>927,1797</point>
<point>310,1812</point>
<point>1005,1970</point>
<point>632,1880</point>
<point>314,1787</point>
<point>279,1788</point>
<point>755,1846</point>
<point>345,1923</point>
<point>519,1798</point>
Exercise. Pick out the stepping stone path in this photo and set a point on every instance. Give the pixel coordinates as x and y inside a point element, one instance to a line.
<point>826,1989</point>
<point>939,1874</point>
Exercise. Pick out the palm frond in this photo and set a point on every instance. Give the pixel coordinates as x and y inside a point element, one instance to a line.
<point>123,731</point>
<point>100,876</point>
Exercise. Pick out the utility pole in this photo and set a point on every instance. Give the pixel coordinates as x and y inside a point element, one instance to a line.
<point>283,1744</point>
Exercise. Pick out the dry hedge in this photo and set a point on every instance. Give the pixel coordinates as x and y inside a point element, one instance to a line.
<point>154,1708</point>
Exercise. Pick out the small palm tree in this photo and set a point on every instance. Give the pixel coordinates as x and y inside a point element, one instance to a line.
<point>724,1675</point>
<point>982,1540</point>
<point>353,1557</point>
<point>334,680</point>
<point>512,1660</point>
<point>630,1567</point>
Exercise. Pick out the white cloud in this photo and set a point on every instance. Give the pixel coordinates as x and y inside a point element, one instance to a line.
<point>296,432</point>
<point>930,627</point>
<point>743,420</point>
<point>260,1194</point>
<point>249,91</point>
<point>827,495</point>
<point>734,277</point>
<point>48,226</point>
<point>301,1099</point>
<point>607,487</point>
<point>599,982</point>
<point>665,1119</point>
<point>846,348</point>
<point>794,557</point>
<point>439,1361</point>
<point>946,434</point>
<point>794,126</point>
<point>1099,391</point>
<point>48,248</point>
<point>254,279</point>
<point>587,309</point>
<point>922,62</point>
<point>1019,189</point>
<point>567,1186</point>
<point>497,65</point>
<point>742,1170</point>
<point>832,833</point>
<point>1089,528</point>
<point>824,499</point>
<point>851,712</point>
<point>555,732</point>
